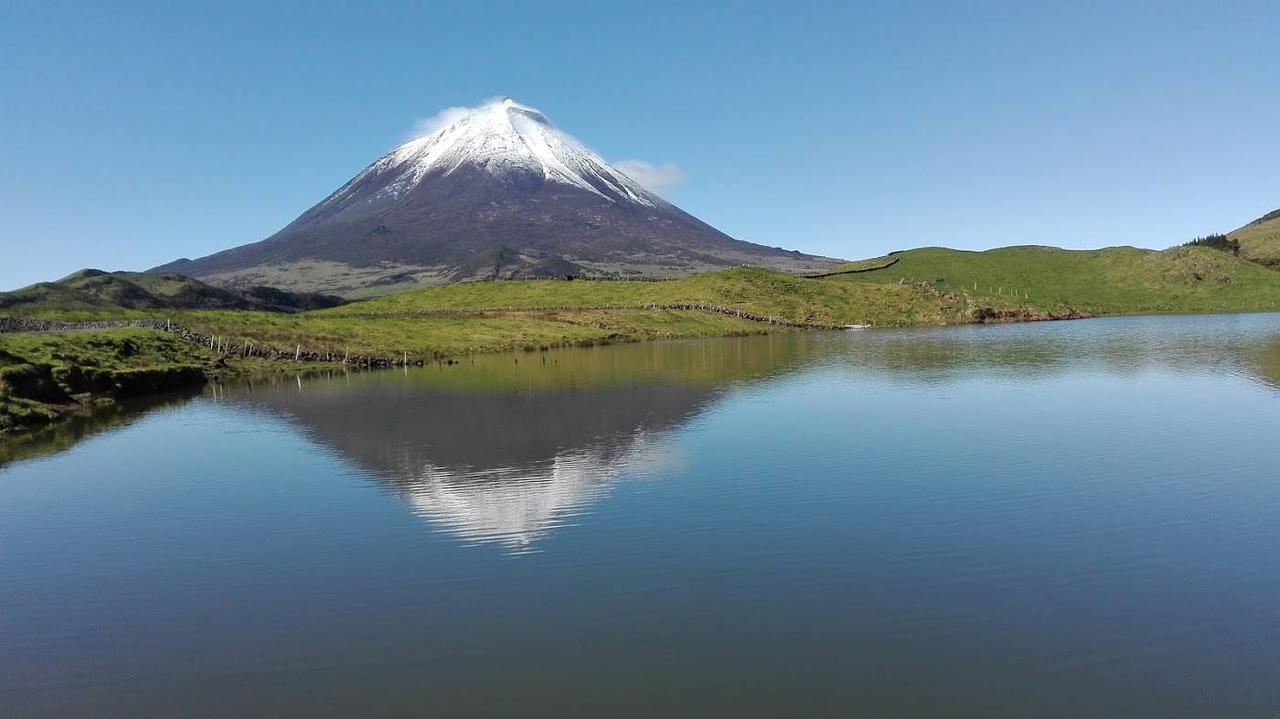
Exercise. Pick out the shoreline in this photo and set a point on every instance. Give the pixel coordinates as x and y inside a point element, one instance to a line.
<point>215,360</point>
<point>38,396</point>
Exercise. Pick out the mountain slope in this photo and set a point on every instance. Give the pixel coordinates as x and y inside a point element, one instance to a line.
<point>1260,240</point>
<point>95,289</point>
<point>500,193</point>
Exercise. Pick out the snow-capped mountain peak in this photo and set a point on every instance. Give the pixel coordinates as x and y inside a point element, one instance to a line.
<point>498,192</point>
<point>508,140</point>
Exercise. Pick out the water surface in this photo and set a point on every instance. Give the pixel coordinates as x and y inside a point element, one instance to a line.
<point>1062,519</point>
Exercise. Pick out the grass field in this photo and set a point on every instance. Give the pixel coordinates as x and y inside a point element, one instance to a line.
<point>761,292</point>
<point>1120,280</point>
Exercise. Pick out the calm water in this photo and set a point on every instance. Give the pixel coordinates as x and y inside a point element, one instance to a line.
<point>1064,519</point>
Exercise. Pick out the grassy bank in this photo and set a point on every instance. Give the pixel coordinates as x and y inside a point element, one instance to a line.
<point>44,378</point>
<point>449,336</point>
<point>48,377</point>
<point>478,317</point>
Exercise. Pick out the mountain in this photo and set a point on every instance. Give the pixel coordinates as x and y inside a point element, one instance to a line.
<point>1260,240</point>
<point>95,289</point>
<point>499,193</point>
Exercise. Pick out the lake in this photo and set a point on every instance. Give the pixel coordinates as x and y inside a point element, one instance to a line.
<point>1057,519</point>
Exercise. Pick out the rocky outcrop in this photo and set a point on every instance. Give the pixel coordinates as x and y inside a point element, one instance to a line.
<point>991,315</point>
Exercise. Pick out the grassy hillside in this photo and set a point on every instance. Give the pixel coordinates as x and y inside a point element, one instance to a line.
<point>1260,240</point>
<point>94,290</point>
<point>1115,280</point>
<point>761,292</point>
<point>477,317</point>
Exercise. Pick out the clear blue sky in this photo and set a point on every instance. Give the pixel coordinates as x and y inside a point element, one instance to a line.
<point>136,133</point>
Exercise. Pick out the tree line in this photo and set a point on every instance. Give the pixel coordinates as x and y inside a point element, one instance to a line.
<point>1217,242</point>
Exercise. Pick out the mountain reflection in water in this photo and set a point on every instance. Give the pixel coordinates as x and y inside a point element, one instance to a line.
<point>973,521</point>
<point>505,449</point>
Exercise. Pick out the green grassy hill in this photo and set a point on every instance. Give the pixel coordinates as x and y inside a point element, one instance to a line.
<point>1115,280</point>
<point>90,290</point>
<point>1260,240</point>
<point>529,314</point>
<point>762,292</point>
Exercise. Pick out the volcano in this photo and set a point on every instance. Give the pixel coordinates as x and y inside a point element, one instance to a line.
<point>498,194</point>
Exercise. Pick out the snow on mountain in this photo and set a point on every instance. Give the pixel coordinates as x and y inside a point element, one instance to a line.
<point>506,138</point>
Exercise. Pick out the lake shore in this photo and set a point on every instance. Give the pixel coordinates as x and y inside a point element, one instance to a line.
<point>58,360</point>
<point>55,369</point>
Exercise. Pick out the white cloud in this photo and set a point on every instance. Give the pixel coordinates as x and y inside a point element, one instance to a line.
<point>424,126</point>
<point>658,178</point>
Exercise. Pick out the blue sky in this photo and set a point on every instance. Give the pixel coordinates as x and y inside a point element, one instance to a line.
<point>136,133</point>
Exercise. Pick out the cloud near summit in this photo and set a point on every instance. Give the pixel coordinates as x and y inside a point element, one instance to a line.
<point>424,126</point>
<point>658,178</point>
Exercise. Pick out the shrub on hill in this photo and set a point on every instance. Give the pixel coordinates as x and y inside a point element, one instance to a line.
<point>1217,242</point>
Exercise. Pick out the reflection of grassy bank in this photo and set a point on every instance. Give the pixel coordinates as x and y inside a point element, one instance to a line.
<point>688,363</point>
<point>470,318</point>
<point>1247,345</point>
<point>45,377</point>
<point>80,424</point>
<point>1266,362</point>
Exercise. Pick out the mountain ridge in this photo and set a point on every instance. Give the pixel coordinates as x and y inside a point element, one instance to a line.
<point>92,289</point>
